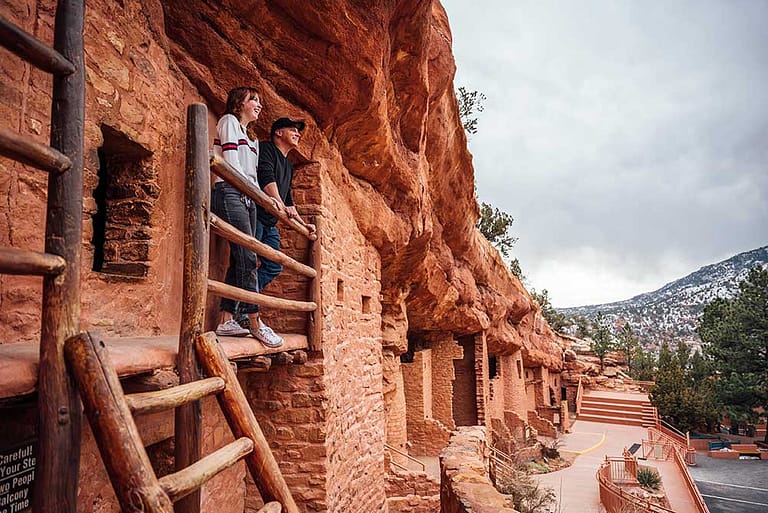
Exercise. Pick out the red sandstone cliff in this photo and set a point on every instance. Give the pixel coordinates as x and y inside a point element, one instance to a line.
<point>375,82</point>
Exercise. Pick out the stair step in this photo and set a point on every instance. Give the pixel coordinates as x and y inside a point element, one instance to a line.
<point>611,420</point>
<point>589,398</point>
<point>610,412</point>
<point>609,404</point>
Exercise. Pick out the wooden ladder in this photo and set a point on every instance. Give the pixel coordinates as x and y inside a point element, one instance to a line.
<point>59,265</point>
<point>110,414</point>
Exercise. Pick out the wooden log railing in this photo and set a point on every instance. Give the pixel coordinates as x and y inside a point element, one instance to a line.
<point>314,318</point>
<point>59,421</point>
<point>232,234</point>
<point>242,184</point>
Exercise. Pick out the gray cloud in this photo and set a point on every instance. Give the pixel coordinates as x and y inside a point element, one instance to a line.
<point>628,139</point>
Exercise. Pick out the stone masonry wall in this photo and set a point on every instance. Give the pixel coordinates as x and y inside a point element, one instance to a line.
<point>129,82</point>
<point>394,405</point>
<point>289,404</point>
<point>412,492</point>
<point>465,386</point>
<point>352,356</point>
<point>444,350</point>
<point>482,385</point>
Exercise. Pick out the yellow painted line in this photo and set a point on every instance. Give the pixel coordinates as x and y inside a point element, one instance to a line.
<point>585,451</point>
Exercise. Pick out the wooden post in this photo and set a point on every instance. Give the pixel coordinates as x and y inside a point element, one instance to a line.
<point>60,418</point>
<point>315,319</point>
<point>197,192</point>
<point>261,462</point>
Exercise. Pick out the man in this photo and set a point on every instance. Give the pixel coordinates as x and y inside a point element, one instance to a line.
<point>275,177</point>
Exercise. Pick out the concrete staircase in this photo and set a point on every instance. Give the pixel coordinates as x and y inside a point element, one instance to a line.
<point>628,409</point>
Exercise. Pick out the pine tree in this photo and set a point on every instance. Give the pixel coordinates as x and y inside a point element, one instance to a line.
<point>735,334</point>
<point>628,344</point>
<point>602,339</point>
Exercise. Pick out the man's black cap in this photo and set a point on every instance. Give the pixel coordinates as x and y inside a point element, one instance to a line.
<point>286,123</point>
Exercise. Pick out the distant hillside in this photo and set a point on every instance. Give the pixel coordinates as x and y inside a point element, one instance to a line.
<point>671,313</point>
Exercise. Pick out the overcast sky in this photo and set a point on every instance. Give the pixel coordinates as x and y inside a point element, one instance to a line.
<point>628,139</point>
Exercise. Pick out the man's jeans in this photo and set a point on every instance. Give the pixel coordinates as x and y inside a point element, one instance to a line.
<point>234,208</point>
<point>268,270</point>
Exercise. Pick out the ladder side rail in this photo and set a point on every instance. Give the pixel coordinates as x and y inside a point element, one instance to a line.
<point>189,418</point>
<point>114,429</point>
<point>33,50</point>
<point>261,462</point>
<point>60,417</point>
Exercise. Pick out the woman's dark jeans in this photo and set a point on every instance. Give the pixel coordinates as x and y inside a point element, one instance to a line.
<point>234,208</point>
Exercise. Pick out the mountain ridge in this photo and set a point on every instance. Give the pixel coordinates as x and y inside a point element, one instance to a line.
<point>671,312</point>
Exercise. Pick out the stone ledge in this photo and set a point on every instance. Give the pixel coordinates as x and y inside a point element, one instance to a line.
<point>464,483</point>
<point>130,356</point>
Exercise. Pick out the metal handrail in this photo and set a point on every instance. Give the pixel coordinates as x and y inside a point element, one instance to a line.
<point>579,396</point>
<point>398,451</point>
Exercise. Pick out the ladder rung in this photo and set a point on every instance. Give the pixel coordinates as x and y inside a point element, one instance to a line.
<point>238,294</point>
<point>160,400</point>
<point>187,480</point>
<point>25,262</point>
<point>33,50</point>
<point>23,149</point>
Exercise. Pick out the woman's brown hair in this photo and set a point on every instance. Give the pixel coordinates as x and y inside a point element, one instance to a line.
<point>236,97</point>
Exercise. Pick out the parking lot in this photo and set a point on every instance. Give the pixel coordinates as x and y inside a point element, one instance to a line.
<point>732,486</point>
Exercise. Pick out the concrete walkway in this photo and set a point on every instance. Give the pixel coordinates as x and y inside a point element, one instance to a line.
<point>576,486</point>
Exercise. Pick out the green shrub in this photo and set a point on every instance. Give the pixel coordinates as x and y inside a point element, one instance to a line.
<point>648,478</point>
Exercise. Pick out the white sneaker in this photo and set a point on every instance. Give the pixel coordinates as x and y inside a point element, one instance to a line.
<point>231,329</point>
<point>267,336</point>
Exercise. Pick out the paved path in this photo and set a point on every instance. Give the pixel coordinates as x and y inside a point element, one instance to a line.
<point>576,486</point>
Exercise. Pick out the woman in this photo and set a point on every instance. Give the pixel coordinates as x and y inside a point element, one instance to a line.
<point>242,153</point>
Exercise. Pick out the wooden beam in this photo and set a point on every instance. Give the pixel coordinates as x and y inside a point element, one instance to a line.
<point>315,319</point>
<point>242,184</point>
<point>185,481</point>
<point>197,202</point>
<point>114,429</point>
<point>27,151</point>
<point>232,234</point>
<point>160,400</point>
<point>21,261</point>
<point>255,364</point>
<point>222,289</point>
<point>261,462</point>
<point>33,50</point>
<point>60,421</point>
